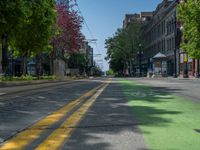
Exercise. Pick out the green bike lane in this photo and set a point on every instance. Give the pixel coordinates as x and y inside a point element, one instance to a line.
<point>167,121</point>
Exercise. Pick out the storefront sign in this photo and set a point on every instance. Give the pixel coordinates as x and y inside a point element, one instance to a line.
<point>181,58</point>
<point>185,58</point>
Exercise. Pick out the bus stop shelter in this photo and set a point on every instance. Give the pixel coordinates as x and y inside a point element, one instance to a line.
<point>159,65</point>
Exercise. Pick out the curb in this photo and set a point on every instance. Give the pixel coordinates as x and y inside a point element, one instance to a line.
<point>21,83</point>
<point>37,86</point>
<point>33,82</point>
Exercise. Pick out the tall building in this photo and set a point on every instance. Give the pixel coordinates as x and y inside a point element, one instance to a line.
<point>130,18</point>
<point>160,35</point>
<point>87,50</point>
<point>146,16</point>
<point>143,17</point>
<point>163,35</point>
<point>0,58</point>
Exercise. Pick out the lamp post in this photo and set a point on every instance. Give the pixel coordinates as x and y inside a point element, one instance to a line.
<point>176,45</point>
<point>197,74</point>
<point>140,53</point>
<point>132,66</point>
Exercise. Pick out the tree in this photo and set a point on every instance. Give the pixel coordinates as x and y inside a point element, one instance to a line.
<point>78,60</point>
<point>123,46</point>
<point>69,38</point>
<point>35,30</point>
<point>116,53</point>
<point>190,19</point>
<point>11,15</point>
<point>110,72</point>
<point>27,26</point>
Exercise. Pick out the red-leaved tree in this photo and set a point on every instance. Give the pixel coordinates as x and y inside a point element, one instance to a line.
<point>69,23</point>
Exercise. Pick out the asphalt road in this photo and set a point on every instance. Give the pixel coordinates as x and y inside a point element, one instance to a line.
<point>76,115</point>
<point>189,89</point>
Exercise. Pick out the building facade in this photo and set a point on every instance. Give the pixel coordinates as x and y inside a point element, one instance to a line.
<point>87,50</point>
<point>163,35</point>
<point>160,35</point>
<point>135,67</point>
<point>130,18</point>
<point>0,58</point>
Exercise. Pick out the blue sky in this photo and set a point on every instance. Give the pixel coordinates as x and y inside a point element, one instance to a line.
<point>105,16</point>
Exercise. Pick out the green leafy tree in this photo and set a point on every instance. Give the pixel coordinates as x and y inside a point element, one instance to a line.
<point>27,26</point>
<point>12,14</point>
<point>123,46</point>
<point>190,19</point>
<point>116,52</point>
<point>110,72</point>
<point>77,60</point>
<point>36,29</point>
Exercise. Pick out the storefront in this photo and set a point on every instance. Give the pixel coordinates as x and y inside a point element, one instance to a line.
<point>187,66</point>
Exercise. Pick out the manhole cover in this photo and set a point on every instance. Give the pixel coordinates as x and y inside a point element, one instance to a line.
<point>197,130</point>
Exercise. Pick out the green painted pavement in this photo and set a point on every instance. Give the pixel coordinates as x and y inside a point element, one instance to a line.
<point>168,122</point>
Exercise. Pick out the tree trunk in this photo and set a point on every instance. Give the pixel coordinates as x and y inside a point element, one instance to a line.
<point>4,62</point>
<point>51,64</point>
<point>38,66</point>
<point>24,64</point>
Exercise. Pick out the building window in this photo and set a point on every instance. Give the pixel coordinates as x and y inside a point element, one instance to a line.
<point>167,28</point>
<point>167,44</point>
<point>170,27</point>
<point>164,27</point>
<point>164,44</point>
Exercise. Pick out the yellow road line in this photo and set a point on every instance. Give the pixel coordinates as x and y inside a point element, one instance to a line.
<point>56,140</point>
<point>24,138</point>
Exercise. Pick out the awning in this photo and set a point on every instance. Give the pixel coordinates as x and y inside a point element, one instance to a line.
<point>159,56</point>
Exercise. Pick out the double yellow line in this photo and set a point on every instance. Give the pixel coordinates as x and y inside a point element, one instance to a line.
<point>57,138</point>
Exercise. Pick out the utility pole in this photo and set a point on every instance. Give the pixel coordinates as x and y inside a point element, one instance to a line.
<point>197,68</point>
<point>176,45</point>
<point>140,53</point>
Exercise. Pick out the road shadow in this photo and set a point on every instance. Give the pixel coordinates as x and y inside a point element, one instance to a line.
<point>111,123</point>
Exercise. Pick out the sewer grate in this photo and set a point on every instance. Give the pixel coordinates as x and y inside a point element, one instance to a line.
<point>197,130</point>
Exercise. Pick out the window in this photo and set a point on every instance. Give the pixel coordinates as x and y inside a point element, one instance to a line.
<point>164,45</point>
<point>167,44</point>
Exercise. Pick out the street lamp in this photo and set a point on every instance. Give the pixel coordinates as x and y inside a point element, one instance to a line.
<point>140,53</point>
<point>197,74</point>
<point>176,45</point>
<point>132,66</point>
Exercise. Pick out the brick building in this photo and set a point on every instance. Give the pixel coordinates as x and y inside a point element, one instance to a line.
<point>163,34</point>
<point>0,59</point>
<point>160,35</point>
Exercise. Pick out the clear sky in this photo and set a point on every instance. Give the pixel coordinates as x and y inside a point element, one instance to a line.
<point>105,16</point>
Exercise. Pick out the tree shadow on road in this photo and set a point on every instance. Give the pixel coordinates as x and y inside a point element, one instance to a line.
<point>111,123</point>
